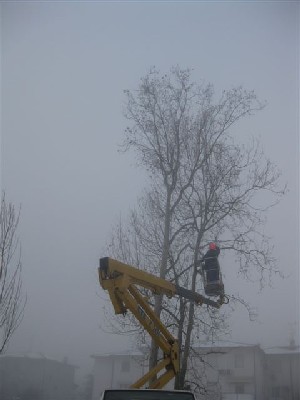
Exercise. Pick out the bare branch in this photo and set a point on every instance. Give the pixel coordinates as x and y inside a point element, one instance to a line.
<point>11,303</point>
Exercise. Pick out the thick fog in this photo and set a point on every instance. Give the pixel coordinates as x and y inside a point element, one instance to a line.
<point>64,67</point>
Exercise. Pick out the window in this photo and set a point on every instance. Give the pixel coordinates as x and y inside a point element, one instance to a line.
<point>213,360</point>
<point>280,391</point>
<point>285,391</point>
<point>124,385</point>
<point>275,391</point>
<point>273,378</point>
<point>239,360</point>
<point>276,365</point>
<point>225,371</point>
<point>240,388</point>
<point>212,382</point>
<point>125,365</point>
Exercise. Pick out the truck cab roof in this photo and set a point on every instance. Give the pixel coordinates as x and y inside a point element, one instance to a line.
<point>146,394</point>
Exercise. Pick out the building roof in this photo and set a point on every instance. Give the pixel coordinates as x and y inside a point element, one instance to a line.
<point>206,345</point>
<point>27,355</point>
<point>211,345</point>
<point>224,343</point>
<point>35,356</point>
<point>127,353</point>
<point>281,350</point>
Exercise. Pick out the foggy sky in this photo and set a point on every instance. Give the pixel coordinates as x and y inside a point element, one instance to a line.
<point>64,67</point>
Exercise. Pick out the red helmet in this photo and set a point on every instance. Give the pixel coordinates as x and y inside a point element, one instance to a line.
<point>212,246</point>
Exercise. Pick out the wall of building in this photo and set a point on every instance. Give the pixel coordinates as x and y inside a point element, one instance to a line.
<point>283,376</point>
<point>35,378</point>
<point>229,373</point>
<point>118,372</point>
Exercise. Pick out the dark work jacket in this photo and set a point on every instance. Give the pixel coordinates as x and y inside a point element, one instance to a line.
<point>210,259</point>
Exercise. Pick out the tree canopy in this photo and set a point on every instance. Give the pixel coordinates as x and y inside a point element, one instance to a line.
<point>207,183</point>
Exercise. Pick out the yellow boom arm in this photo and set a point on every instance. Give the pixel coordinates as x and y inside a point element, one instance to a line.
<point>121,281</point>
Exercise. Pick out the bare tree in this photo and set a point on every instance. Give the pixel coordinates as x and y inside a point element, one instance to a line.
<point>206,185</point>
<point>11,302</point>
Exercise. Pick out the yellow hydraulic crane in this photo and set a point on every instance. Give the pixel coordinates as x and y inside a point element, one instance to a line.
<point>122,282</point>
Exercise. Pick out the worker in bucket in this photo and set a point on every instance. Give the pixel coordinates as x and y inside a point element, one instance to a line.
<point>211,263</point>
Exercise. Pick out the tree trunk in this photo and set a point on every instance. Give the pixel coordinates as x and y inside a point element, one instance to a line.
<point>163,270</point>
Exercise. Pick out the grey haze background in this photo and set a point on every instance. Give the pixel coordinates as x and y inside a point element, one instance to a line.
<point>64,67</point>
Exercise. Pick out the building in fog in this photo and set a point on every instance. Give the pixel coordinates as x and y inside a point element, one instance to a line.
<point>229,372</point>
<point>283,373</point>
<point>117,371</point>
<point>35,377</point>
